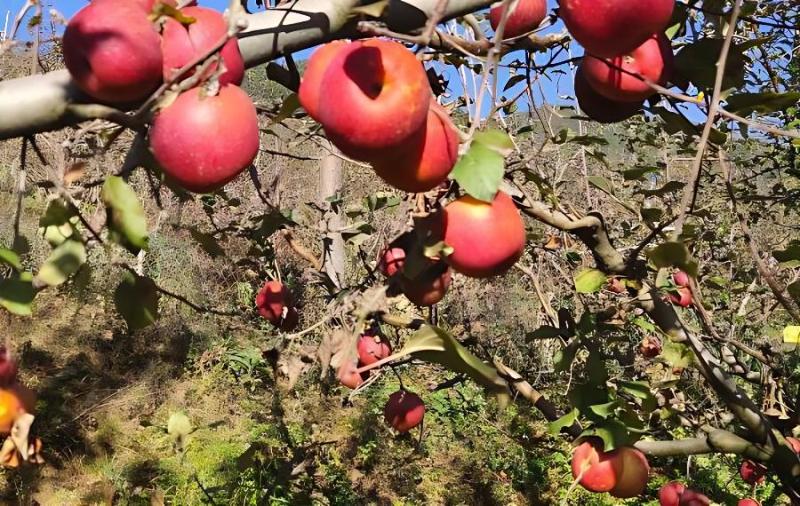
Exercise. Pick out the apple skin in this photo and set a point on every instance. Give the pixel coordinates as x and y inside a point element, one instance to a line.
<point>372,348</point>
<point>650,347</point>
<point>693,498</point>
<point>424,161</point>
<point>680,278</point>
<point>599,108</point>
<point>376,95</point>
<point>181,44</point>
<point>683,298</point>
<point>596,465</point>
<point>203,142</point>
<point>113,51</point>
<point>348,375</point>
<point>632,471</point>
<point>8,368</point>
<point>391,260</point>
<point>670,493</point>
<point>748,502</point>
<point>609,28</point>
<point>487,239</point>
<point>525,18</point>
<point>271,301</point>
<point>653,60</point>
<point>311,88</point>
<point>752,472</point>
<point>403,411</point>
<point>429,287</point>
<point>794,444</point>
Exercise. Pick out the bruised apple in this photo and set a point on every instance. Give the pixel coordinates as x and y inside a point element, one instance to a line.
<point>487,238</point>
<point>204,141</point>
<point>524,18</point>
<point>403,411</point>
<point>113,52</point>
<point>609,28</point>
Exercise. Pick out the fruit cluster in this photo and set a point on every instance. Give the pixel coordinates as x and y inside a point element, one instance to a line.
<point>120,52</point>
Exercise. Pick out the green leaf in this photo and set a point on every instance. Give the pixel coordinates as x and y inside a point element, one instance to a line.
<point>58,223</point>
<point>698,63</point>
<point>496,140</point>
<point>433,344</point>
<point>638,389</point>
<point>673,254</point>
<point>479,172</point>
<point>62,263</point>
<point>17,293</point>
<point>565,421</point>
<point>644,324</point>
<point>789,255</point>
<point>651,214</point>
<point>601,184</point>
<point>563,358</point>
<point>290,104</point>
<point>136,299</point>
<point>745,104</point>
<point>126,219</point>
<point>604,410</point>
<point>513,81</point>
<point>677,354</point>
<point>613,433</point>
<point>10,258</point>
<point>590,281</point>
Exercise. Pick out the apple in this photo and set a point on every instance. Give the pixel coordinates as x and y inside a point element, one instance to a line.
<point>8,368</point>
<point>487,238</point>
<point>610,28</point>
<point>752,472</point>
<point>615,285</point>
<point>748,502</point>
<point>650,347</point>
<point>204,141</point>
<point>429,287</point>
<point>524,18</point>
<point>680,278</point>
<point>653,60</point>
<point>311,88</point>
<point>373,95</point>
<point>372,348</point>
<point>670,493</point>
<point>348,375</point>
<point>183,43</point>
<point>274,304</point>
<point>14,401</point>
<point>631,470</point>
<point>683,298</point>
<point>422,162</point>
<point>599,108</point>
<point>403,411</point>
<point>113,51</point>
<point>593,467</point>
<point>794,444</point>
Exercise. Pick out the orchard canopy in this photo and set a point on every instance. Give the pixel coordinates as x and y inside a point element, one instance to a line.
<point>578,217</point>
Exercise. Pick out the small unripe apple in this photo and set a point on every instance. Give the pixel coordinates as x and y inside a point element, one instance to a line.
<point>14,401</point>
<point>487,238</point>
<point>794,443</point>
<point>752,472</point>
<point>670,493</point>
<point>274,303</point>
<point>403,411</point>
<point>631,470</point>
<point>652,60</point>
<point>600,108</point>
<point>372,348</point>
<point>348,375</point>
<point>204,141</point>
<point>8,368</point>
<point>429,287</point>
<point>611,28</point>
<point>113,51</point>
<point>391,260</point>
<point>650,347</point>
<point>525,18</point>
<point>594,466</point>
<point>680,278</point>
<point>183,43</point>
<point>683,298</point>
<point>748,502</point>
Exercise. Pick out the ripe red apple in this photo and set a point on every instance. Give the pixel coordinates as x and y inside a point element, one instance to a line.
<point>594,466</point>
<point>683,298</point>
<point>311,88</point>
<point>599,108</point>
<point>372,348</point>
<point>274,303</point>
<point>670,493</point>
<point>203,142</point>
<point>794,443</point>
<point>423,161</point>
<point>348,375</point>
<point>487,238</point>
<point>748,502</point>
<point>376,95</point>
<point>525,18</point>
<point>653,60</point>
<point>403,411</point>
<point>113,51</point>
<point>429,287</point>
<point>650,347</point>
<point>609,28</point>
<point>693,498</point>
<point>8,368</point>
<point>631,470</point>
<point>680,278</point>
<point>391,260</point>
<point>752,472</point>
<point>183,43</point>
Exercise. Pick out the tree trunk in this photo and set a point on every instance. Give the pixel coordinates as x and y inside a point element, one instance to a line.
<point>331,178</point>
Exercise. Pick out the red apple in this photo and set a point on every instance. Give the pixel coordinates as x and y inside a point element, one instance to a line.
<point>422,162</point>
<point>274,303</point>
<point>525,17</point>
<point>8,368</point>
<point>429,287</point>
<point>599,108</point>
<point>183,43</point>
<point>615,285</point>
<point>391,260</point>
<point>372,348</point>
<point>487,238</point>
<point>403,411</point>
<point>113,52</point>
<point>653,60</point>
<point>631,470</point>
<point>693,498</point>
<point>376,95</point>
<point>203,142</point>
<point>650,347</point>
<point>670,493</point>
<point>680,278</point>
<point>311,88</point>
<point>748,502</point>
<point>794,443</point>
<point>593,467</point>
<point>611,28</point>
<point>752,472</point>
<point>348,375</point>
<point>683,297</point>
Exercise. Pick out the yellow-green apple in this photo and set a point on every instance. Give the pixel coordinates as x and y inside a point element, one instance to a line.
<point>204,141</point>
<point>526,17</point>
<point>487,238</point>
<point>183,43</point>
<point>423,161</point>
<point>403,411</point>
<point>600,108</point>
<point>611,28</point>
<point>113,51</point>
<point>616,78</point>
